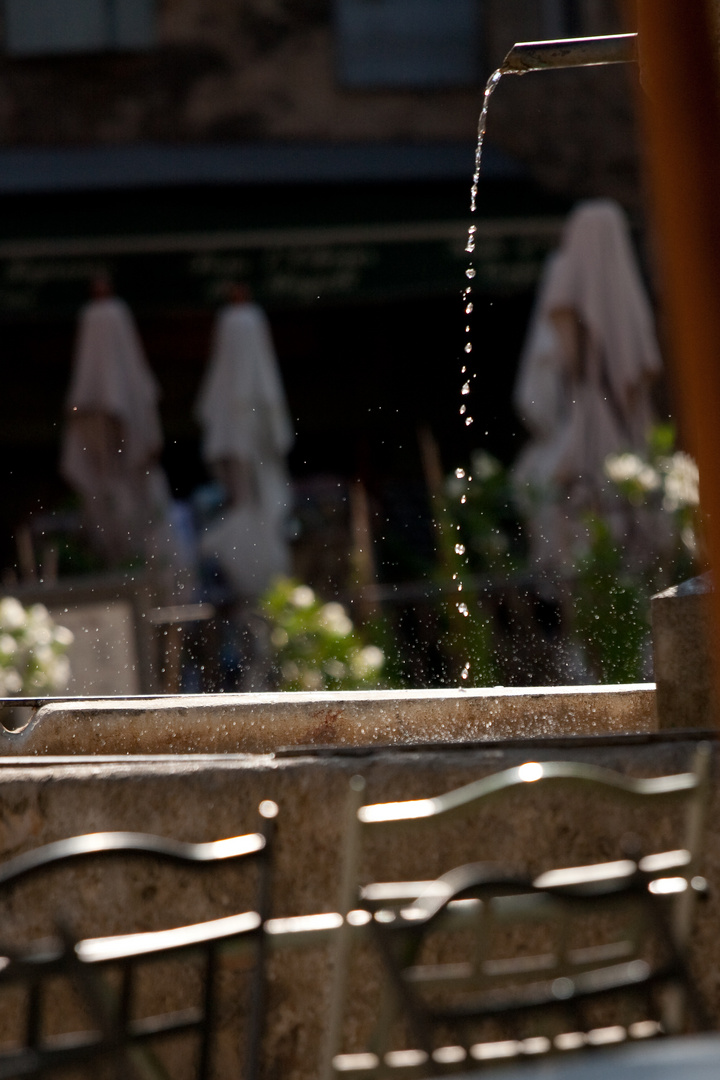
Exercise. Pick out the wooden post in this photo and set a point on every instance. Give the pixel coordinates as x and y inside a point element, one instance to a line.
<point>680,113</point>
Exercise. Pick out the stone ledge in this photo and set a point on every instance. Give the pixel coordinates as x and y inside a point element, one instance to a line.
<point>261,723</point>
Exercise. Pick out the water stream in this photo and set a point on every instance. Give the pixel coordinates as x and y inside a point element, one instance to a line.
<point>482,124</point>
<point>467,378</point>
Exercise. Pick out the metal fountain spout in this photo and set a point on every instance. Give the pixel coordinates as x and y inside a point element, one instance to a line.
<point>570,52</point>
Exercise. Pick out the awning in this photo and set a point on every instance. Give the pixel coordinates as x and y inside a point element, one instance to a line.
<point>329,225</point>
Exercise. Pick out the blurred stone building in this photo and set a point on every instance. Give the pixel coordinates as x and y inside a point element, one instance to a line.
<point>321,150</point>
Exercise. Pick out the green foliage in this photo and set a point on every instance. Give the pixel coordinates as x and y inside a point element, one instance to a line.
<point>476,526</point>
<point>610,609</point>
<point>316,645</point>
<point>483,513</point>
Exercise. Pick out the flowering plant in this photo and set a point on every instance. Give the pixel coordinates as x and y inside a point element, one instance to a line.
<point>664,477</point>
<point>611,602</point>
<point>32,650</point>
<point>316,645</point>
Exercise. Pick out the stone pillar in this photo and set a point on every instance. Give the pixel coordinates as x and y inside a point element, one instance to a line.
<point>684,676</point>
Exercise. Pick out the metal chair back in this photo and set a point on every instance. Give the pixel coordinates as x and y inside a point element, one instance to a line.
<point>650,897</point>
<point>103,972</point>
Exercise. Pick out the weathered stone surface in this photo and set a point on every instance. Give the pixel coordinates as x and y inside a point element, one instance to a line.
<point>256,723</point>
<point>208,798</point>
<point>684,673</point>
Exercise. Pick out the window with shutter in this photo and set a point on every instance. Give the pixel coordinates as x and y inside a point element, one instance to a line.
<point>43,27</point>
<point>408,43</point>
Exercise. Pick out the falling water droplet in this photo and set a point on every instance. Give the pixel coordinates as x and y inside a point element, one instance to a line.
<point>460,473</point>
<point>468,421</point>
<point>470,272</point>
<point>463,410</point>
<point>469,308</point>
<point>463,609</point>
<point>465,671</point>
<point>466,388</point>
<point>463,499</point>
<point>468,347</point>
<point>459,549</point>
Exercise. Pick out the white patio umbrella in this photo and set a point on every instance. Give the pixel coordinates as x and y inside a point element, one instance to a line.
<point>584,383</point>
<point>247,433</point>
<point>112,437</point>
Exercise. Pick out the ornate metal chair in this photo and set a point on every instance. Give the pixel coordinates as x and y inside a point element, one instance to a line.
<point>102,973</point>
<point>607,941</point>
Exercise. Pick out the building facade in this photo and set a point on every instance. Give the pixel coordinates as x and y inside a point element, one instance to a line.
<point>321,150</point>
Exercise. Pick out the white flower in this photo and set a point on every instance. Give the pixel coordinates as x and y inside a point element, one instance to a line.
<point>8,646</point>
<point>682,482</point>
<point>630,468</point>
<point>311,679</point>
<point>302,596</point>
<point>12,614</point>
<point>62,636</point>
<point>689,540</point>
<point>367,661</point>
<point>43,655</point>
<point>38,615</point>
<point>39,636</point>
<point>335,619</point>
<point>10,681</point>
<point>290,671</point>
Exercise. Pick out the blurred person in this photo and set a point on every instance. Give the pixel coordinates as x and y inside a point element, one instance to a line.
<point>112,437</point>
<point>246,436</point>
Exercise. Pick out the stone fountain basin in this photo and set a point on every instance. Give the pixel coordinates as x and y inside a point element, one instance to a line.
<point>196,768</point>
<point>260,723</point>
<point>208,796</point>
